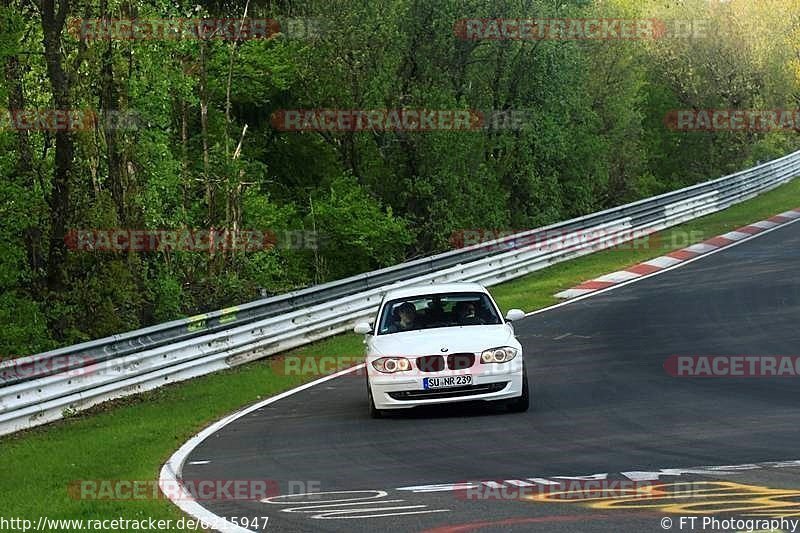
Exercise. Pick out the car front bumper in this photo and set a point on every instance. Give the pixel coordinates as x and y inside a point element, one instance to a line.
<point>489,382</point>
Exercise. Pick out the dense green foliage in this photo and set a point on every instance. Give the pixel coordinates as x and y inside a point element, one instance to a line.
<point>205,155</point>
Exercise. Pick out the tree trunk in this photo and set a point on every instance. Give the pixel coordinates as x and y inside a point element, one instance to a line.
<point>16,100</point>
<point>204,133</point>
<point>109,108</point>
<point>59,198</point>
<point>24,171</point>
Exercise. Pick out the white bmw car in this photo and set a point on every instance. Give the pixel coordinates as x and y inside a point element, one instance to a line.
<point>436,344</point>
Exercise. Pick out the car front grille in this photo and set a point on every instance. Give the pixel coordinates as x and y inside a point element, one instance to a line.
<point>452,392</point>
<point>437,363</point>
<point>460,361</point>
<point>430,363</point>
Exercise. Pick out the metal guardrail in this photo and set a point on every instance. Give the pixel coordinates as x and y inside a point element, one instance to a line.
<point>179,330</point>
<point>148,358</point>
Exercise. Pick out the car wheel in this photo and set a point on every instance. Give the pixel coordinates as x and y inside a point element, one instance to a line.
<point>523,403</point>
<point>373,411</point>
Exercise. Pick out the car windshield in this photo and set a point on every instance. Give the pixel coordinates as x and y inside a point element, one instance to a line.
<point>438,311</point>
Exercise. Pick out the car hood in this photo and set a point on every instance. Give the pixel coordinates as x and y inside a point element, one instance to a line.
<point>455,339</point>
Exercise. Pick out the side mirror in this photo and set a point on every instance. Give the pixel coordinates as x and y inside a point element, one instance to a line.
<point>515,314</point>
<point>363,328</point>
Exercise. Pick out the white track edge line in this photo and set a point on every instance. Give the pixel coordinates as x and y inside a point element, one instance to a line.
<point>173,468</point>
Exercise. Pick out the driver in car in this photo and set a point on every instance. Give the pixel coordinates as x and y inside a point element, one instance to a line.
<point>468,314</point>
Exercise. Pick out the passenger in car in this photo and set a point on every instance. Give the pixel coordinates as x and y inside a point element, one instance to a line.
<point>407,317</point>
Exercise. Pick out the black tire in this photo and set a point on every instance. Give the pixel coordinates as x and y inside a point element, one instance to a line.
<point>523,403</point>
<point>373,411</point>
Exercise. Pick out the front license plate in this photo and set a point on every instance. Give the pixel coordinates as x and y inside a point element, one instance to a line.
<point>445,382</point>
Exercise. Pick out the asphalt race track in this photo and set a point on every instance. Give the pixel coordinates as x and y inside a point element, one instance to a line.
<point>603,404</point>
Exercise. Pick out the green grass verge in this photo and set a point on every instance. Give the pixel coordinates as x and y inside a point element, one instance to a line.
<point>131,438</point>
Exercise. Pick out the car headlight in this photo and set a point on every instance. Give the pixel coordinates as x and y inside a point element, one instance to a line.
<point>390,365</point>
<point>499,355</point>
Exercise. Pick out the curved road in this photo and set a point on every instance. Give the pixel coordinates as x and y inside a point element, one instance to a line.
<point>603,404</point>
